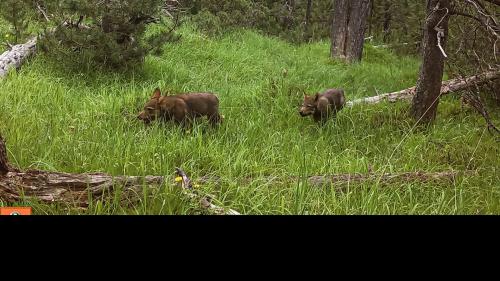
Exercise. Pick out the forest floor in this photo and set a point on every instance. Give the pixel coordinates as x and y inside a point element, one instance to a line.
<point>58,119</point>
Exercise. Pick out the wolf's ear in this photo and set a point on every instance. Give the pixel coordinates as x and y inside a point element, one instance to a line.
<point>156,94</point>
<point>316,97</point>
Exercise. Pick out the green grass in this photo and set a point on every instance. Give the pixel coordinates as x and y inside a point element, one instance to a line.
<point>59,120</point>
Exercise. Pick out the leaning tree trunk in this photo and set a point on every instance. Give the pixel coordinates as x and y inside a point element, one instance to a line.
<point>348,29</point>
<point>428,88</point>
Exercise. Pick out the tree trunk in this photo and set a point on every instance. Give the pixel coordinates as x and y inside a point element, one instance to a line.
<point>348,29</point>
<point>370,18</point>
<point>387,20</point>
<point>428,88</point>
<point>308,35</point>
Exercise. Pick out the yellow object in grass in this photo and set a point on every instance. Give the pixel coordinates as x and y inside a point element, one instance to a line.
<point>178,179</point>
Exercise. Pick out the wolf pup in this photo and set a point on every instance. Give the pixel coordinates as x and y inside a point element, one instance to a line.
<point>323,106</point>
<point>183,108</point>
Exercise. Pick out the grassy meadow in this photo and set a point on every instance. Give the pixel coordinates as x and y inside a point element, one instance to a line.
<point>58,119</point>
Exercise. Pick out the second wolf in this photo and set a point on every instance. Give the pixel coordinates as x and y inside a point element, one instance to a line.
<point>323,106</point>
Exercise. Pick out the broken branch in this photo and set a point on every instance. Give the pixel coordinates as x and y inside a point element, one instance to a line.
<point>205,201</point>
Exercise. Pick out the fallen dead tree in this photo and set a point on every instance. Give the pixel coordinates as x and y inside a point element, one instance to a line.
<point>16,56</point>
<point>344,180</point>
<point>54,187</point>
<point>449,86</point>
<point>341,181</point>
<point>76,189</point>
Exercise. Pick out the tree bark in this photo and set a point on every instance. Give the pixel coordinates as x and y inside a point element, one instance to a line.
<point>307,31</point>
<point>426,100</point>
<point>348,29</point>
<point>387,20</point>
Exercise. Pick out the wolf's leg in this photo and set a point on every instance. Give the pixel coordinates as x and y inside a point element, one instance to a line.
<point>215,119</point>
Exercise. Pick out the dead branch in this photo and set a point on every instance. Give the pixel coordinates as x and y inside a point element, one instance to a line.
<point>488,20</point>
<point>205,201</point>
<point>449,86</point>
<point>440,32</point>
<point>40,9</point>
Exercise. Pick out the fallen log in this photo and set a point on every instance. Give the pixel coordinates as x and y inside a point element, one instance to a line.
<point>16,55</point>
<point>76,189</point>
<point>341,181</point>
<point>72,189</point>
<point>449,86</point>
<point>396,45</point>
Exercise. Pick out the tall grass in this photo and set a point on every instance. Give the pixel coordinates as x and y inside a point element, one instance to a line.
<point>55,118</point>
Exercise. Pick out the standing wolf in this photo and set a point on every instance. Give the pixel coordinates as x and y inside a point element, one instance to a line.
<point>323,106</point>
<point>183,108</point>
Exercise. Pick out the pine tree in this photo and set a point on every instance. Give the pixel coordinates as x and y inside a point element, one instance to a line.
<point>15,12</point>
<point>106,32</point>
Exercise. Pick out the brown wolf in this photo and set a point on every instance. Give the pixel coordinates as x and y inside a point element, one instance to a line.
<point>183,108</point>
<point>323,106</point>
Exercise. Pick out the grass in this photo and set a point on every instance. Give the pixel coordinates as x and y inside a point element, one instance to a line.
<point>60,120</point>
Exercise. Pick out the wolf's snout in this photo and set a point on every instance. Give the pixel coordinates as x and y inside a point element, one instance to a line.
<point>140,116</point>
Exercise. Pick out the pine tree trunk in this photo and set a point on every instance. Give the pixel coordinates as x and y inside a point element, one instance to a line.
<point>387,20</point>
<point>428,88</point>
<point>339,29</point>
<point>308,35</point>
<point>348,29</point>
